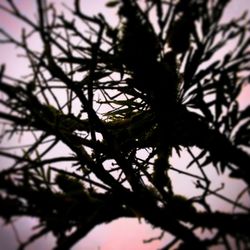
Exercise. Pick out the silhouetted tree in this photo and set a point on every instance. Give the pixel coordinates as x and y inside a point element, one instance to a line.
<point>113,103</point>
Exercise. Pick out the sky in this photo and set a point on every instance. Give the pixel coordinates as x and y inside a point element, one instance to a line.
<point>121,234</point>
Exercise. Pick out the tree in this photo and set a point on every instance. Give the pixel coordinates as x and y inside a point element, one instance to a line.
<point>123,99</point>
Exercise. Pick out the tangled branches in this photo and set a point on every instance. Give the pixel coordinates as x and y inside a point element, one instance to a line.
<point>115,104</point>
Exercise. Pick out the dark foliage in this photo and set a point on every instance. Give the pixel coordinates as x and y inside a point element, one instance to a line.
<point>118,102</point>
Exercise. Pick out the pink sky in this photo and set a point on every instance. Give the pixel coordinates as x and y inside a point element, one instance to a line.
<point>121,234</point>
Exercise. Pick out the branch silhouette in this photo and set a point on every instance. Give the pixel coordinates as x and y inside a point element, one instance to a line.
<point>96,95</point>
